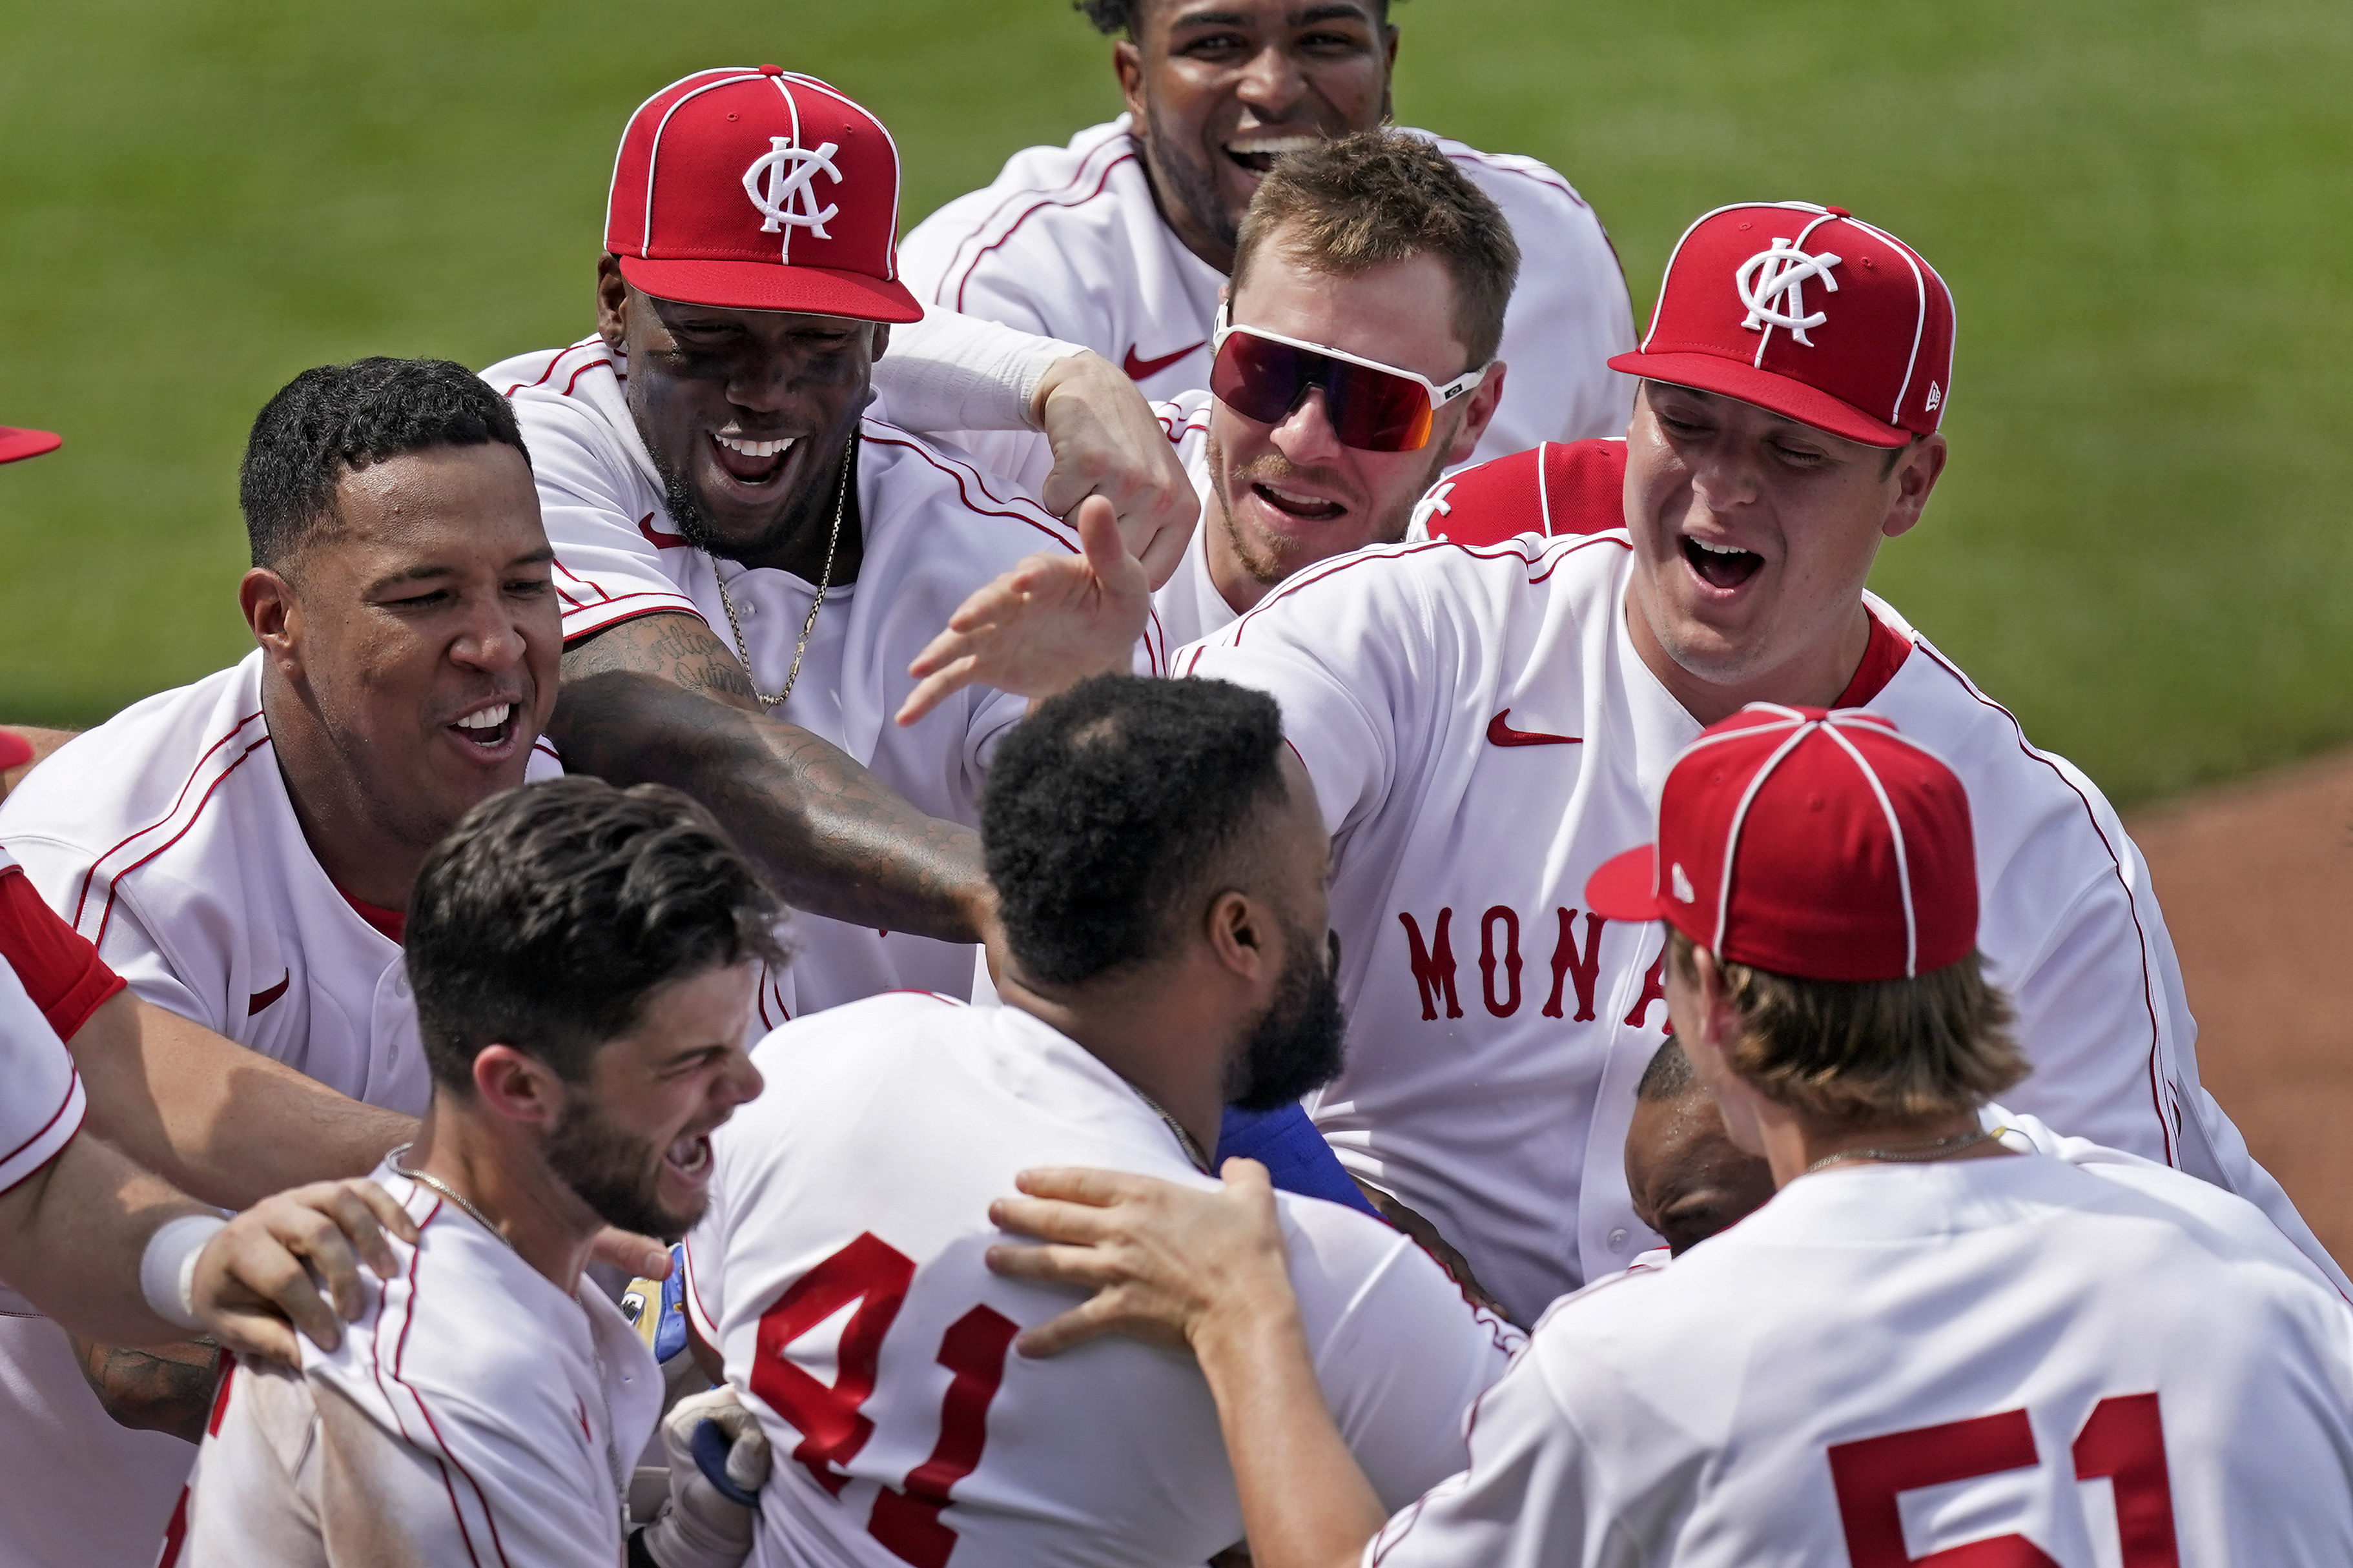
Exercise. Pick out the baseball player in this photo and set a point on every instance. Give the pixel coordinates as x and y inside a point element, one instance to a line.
<point>1159,869</point>
<point>1685,1177</point>
<point>240,850</point>
<point>1486,724</point>
<point>746,559</point>
<point>585,960</point>
<point>1354,360</point>
<point>1123,239</point>
<point>1921,1350</point>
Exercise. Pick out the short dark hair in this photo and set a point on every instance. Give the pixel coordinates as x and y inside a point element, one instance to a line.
<point>553,910</point>
<point>1374,198</point>
<point>1670,1075</point>
<point>1872,1050</point>
<point>1115,18</point>
<point>336,419</point>
<point>1111,807</point>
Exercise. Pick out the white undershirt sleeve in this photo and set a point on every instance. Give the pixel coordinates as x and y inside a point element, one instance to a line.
<point>948,373</point>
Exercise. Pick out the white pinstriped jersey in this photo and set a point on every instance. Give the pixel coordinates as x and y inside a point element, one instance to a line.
<point>2052,1363</point>
<point>473,1413</point>
<point>935,529</point>
<point>1068,242</point>
<point>1483,734</point>
<point>838,1270</point>
<point>165,835</point>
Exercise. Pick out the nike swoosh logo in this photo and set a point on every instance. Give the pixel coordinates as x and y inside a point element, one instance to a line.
<point>1145,369</point>
<point>656,537</point>
<point>1501,734</point>
<point>261,999</point>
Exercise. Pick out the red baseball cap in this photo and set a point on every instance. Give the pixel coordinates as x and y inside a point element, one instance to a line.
<point>15,750</point>
<point>1808,842</point>
<point>1808,312</point>
<point>16,444</point>
<point>754,188</point>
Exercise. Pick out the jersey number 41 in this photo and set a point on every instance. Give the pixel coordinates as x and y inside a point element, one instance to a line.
<point>875,1275</point>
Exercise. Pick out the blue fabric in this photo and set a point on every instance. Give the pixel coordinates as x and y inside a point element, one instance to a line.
<point>1295,1155</point>
<point>670,1329</point>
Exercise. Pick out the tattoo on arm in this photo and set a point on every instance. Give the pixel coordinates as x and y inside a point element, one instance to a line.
<point>661,700</point>
<point>168,1389</point>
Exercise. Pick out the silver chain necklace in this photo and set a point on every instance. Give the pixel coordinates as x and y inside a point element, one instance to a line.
<point>612,1445</point>
<point>1911,1153</point>
<point>840,500</point>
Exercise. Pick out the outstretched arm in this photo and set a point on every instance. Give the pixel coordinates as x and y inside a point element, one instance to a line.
<point>1176,1266</point>
<point>660,700</point>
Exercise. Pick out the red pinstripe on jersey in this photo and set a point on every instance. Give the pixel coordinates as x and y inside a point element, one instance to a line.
<point>962,272</point>
<point>209,767</point>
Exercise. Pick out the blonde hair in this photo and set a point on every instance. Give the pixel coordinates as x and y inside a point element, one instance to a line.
<point>1870,1051</point>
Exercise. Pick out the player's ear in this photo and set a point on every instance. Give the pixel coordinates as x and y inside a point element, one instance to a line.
<point>880,344</point>
<point>612,302</point>
<point>270,611</point>
<point>517,1087</point>
<point>1127,64</point>
<point>1240,933</point>
<point>1915,475</point>
<point>1477,414</point>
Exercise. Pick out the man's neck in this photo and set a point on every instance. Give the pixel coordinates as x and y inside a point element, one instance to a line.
<point>502,1177</point>
<point>1145,1033</point>
<point>1794,1144</point>
<point>346,834</point>
<point>1814,678</point>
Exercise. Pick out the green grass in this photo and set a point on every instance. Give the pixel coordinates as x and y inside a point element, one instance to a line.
<point>2142,210</point>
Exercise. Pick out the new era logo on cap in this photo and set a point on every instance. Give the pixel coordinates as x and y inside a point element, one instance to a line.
<point>1807,311</point>
<point>759,189</point>
<point>1821,845</point>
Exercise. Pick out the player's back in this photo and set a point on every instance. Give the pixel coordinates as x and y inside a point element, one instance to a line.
<point>1893,1361</point>
<point>840,1272</point>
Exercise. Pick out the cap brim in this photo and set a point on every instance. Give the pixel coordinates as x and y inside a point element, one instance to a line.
<point>15,750</point>
<point>771,285</point>
<point>16,444</point>
<point>1774,392</point>
<point>1620,888</point>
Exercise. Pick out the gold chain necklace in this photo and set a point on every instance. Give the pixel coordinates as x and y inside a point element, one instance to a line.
<point>1184,1139</point>
<point>841,499</point>
<point>1911,1152</point>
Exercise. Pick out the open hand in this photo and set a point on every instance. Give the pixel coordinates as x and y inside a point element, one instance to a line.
<point>1164,1260</point>
<point>1045,626</point>
<point>256,1277</point>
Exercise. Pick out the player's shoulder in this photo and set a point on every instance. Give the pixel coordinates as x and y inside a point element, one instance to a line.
<point>1552,489</point>
<point>1523,186</point>
<point>879,1028</point>
<point>1042,200</point>
<point>1438,582</point>
<point>547,377</point>
<point>131,789</point>
<point>949,497</point>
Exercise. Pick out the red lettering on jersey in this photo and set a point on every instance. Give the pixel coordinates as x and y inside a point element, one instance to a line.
<point>908,1521</point>
<point>1433,971</point>
<point>1654,989</point>
<point>2124,1441</point>
<point>1569,963</point>
<point>875,1275</point>
<point>1872,1473</point>
<point>1510,919</point>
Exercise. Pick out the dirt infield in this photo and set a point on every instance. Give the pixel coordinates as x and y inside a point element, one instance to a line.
<point>2256,881</point>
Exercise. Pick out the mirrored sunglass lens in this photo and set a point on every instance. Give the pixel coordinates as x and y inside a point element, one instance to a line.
<point>1375,411</point>
<point>1371,410</point>
<point>1257,379</point>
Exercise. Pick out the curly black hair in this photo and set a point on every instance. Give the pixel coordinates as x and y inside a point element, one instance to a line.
<point>1110,807</point>
<point>339,418</point>
<point>1115,18</point>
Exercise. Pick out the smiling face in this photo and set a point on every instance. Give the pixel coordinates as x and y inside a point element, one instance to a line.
<point>1753,537</point>
<point>417,633</point>
<point>745,412</point>
<point>1218,89</point>
<point>634,1142</point>
<point>1284,496</point>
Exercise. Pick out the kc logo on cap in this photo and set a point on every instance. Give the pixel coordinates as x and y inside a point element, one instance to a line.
<point>1826,846</point>
<point>759,189</point>
<point>1809,312</point>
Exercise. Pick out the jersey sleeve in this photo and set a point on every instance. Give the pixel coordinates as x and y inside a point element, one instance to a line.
<point>607,559</point>
<point>1406,1357</point>
<point>60,969</point>
<point>41,1100</point>
<point>1348,650</point>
